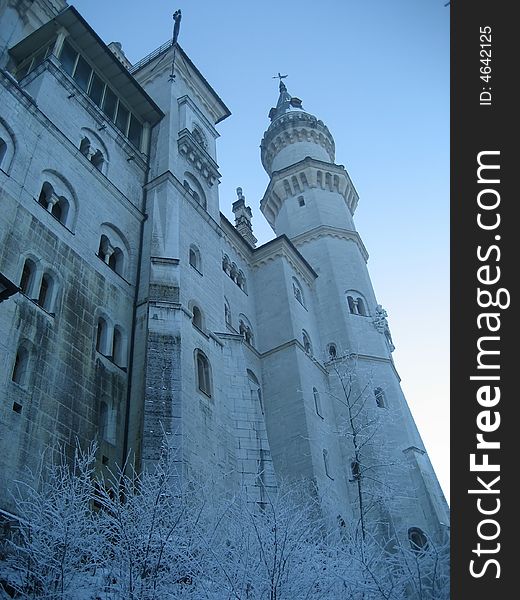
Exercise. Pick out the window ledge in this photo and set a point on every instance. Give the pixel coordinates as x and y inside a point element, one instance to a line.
<point>112,362</point>
<point>195,269</point>
<point>34,301</point>
<point>112,270</point>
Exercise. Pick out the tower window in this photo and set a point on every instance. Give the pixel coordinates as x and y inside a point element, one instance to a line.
<point>203,373</point>
<point>333,353</point>
<point>307,346</point>
<point>301,201</point>
<point>317,402</point>
<point>194,258</point>
<point>380,397</point>
<point>418,539</point>
<point>102,336</point>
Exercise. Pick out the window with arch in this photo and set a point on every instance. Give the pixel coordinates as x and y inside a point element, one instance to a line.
<point>58,206</point>
<point>418,539</point>
<point>119,347</point>
<point>255,389</point>
<point>197,319</point>
<point>28,277</point>
<point>84,147</point>
<point>298,291</point>
<point>98,160</point>
<point>111,255</point>
<point>332,351</point>
<point>227,312</point>
<point>21,366</point>
<point>47,292</point>
<point>194,258</point>
<point>102,336</point>
<point>245,330</point>
<point>203,372</point>
<point>326,463</point>
<point>306,340</point>
<point>357,303</point>
<point>380,397</point>
<point>317,402</point>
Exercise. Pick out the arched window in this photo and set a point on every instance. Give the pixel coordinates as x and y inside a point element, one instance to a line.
<point>380,397</point>
<point>28,276</point>
<point>326,464</point>
<point>356,303</point>
<point>84,147</point>
<point>255,389</point>
<point>194,258</point>
<point>203,372</point>
<point>307,346</point>
<point>118,347</point>
<point>60,210</point>
<point>199,137</point>
<point>112,255</point>
<point>45,197</point>
<point>418,539</point>
<point>102,336</point>
<point>297,291</point>
<point>317,402</point>
<point>245,330</point>
<point>46,293</point>
<point>226,264</point>
<point>332,351</point>
<point>227,312</point>
<point>20,368</point>
<point>197,318</point>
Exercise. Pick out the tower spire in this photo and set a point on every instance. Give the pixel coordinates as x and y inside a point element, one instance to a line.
<point>285,100</point>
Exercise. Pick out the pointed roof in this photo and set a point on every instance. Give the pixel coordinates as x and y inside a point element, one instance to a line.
<point>285,103</point>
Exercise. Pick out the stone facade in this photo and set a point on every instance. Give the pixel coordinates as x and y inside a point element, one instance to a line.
<point>144,312</point>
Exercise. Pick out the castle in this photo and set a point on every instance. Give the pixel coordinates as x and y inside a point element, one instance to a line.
<point>132,309</point>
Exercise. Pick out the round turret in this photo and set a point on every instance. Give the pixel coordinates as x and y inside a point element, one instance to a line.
<point>294,135</point>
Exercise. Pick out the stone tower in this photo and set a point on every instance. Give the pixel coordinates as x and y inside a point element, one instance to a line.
<point>312,200</point>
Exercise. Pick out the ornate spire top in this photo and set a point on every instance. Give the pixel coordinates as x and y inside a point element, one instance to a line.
<point>285,102</point>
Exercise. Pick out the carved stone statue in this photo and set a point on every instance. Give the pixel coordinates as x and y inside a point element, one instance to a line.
<point>380,322</point>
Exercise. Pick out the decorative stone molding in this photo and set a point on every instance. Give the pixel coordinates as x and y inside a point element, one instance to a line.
<point>292,128</point>
<point>195,154</point>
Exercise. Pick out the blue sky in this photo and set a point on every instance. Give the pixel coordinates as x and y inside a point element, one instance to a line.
<point>377,73</point>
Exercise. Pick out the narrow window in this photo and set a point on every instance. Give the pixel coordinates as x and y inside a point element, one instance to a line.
<point>361,307</point>
<point>351,305</point>
<point>60,210</point>
<point>317,402</point>
<point>101,336</point>
<point>203,373</point>
<point>68,58</point>
<point>116,260</point>
<point>84,146</point>
<point>326,463</point>
<point>197,317</point>
<point>96,90</point>
<point>418,539</point>
<point>21,363</point>
<point>118,348</point>
<point>301,201</point>
<point>307,343</point>
<point>380,397</point>
<point>82,73</point>
<point>45,195</point>
<point>332,351</point>
<point>45,294</point>
<point>194,258</point>
<point>27,279</point>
